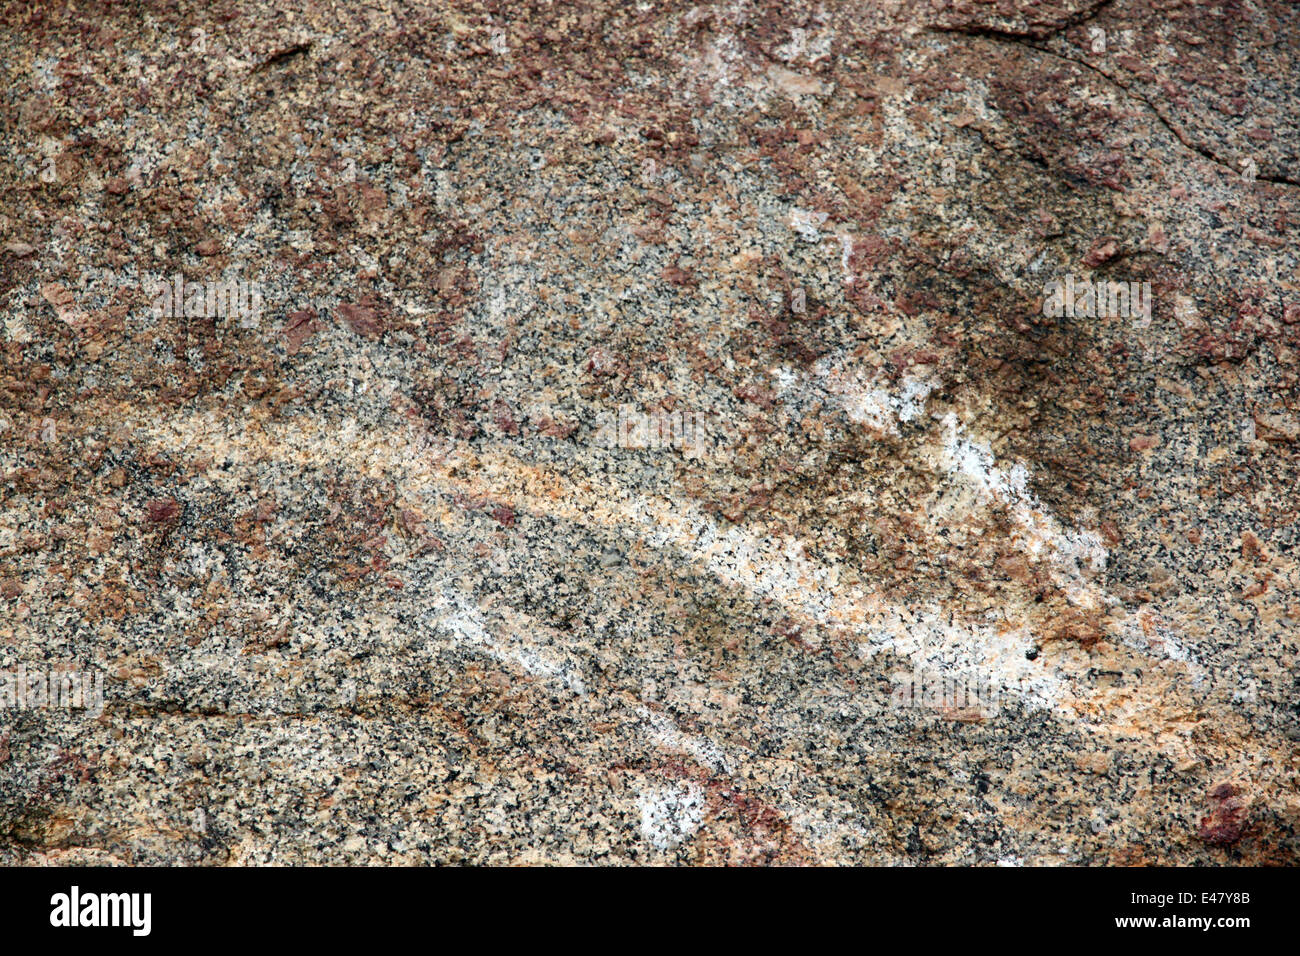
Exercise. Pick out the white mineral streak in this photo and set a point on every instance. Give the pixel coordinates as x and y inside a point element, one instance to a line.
<point>670,814</point>
<point>776,567</point>
<point>807,224</point>
<point>458,616</point>
<point>1039,535</point>
<point>865,400</point>
<point>662,732</point>
<point>765,565</point>
<point>1068,553</point>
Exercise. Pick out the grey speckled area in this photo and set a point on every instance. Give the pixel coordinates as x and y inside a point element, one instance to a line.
<point>382,574</point>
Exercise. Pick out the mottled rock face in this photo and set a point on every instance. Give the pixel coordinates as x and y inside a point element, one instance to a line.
<point>650,432</point>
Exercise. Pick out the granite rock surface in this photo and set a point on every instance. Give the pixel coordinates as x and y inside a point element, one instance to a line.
<point>641,432</point>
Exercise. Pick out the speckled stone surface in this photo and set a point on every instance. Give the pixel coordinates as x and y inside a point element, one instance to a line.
<point>381,576</point>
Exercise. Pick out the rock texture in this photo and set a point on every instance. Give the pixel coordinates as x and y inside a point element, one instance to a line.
<point>380,575</point>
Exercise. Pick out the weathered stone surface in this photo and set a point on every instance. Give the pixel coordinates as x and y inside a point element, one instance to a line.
<point>430,560</point>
